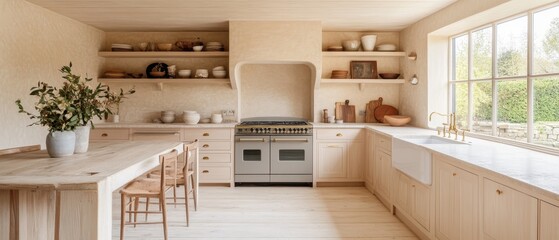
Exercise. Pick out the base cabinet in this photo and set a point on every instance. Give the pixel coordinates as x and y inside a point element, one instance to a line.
<point>413,199</point>
<point>549,221</point>
<point>332,160</point>
<point>508,214</point>
<point>457,196</point>
<point>370,160</point>
<point>383,173</point>
<point>341,155</point>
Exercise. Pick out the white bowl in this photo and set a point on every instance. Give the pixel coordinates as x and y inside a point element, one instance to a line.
<point>197,48</point>
<point>219,68</point>
<point>191,118</point>
<point>351,45</point>
<point>185,73</point>
<point>168,118</point>
<point>219,74</point>
<point>202,73</point>
<point>386,47</point>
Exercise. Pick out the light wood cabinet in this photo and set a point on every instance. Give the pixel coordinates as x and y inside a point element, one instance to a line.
<point>104,134</point>
<point>507,213</point>
<point>370,160</point>
<point>341,155</point>
<point>456,214</point>
<point>215,153</point>
<point>383,173</point>
<point>413,199</point>
<point>549,221</point>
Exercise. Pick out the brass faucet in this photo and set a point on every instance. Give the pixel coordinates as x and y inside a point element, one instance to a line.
<point>444,125</point>
<point>451,126</point>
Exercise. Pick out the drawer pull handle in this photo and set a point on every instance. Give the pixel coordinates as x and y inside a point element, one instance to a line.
<point>206,158</point>
<point>206,171</point>
<point>333,146</point>
<point>206,146</point>
<point>104,135</point>
<point>206,134</point>
<point>499,191</point>
<point>339,135</point>
<point>453,174</point>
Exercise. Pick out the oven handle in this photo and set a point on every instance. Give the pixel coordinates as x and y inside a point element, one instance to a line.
<point>290,140</point>
<point>251,140</point>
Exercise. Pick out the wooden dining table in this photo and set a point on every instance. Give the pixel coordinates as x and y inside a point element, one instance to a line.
<point>70,198</point>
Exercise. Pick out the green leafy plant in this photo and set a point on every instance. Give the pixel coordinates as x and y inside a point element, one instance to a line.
<point>114,99</point>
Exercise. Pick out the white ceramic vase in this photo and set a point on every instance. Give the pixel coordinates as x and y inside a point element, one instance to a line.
<point>82,139</point>
<point>368,42</point>
<point>116,118</point>
<point>61,144</point>
<point>217,118</point>
<point>191,117</point>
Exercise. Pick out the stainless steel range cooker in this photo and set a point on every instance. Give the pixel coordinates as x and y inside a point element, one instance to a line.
<point>273,150</point>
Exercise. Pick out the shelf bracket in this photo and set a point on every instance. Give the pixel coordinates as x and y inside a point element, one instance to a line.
<point>361,86</point>
<point>160,86</point>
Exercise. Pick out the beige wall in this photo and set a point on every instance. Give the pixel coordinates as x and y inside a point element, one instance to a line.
<point>34,44</point>
<point>428,38</point>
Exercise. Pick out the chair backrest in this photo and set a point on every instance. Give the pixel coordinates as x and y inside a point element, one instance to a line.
<point>188,159</point>
<point>168,167</point>
<point>20,149</point>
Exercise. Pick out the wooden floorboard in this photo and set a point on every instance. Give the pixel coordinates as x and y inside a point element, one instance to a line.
<point>275,213</point>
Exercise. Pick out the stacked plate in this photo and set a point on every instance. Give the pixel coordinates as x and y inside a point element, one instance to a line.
<point>386,47</point>
<point>339,74</point>
<point>121,47</point>
<point>335,48</point>
<point>115,74</point>
<point>214,46</point>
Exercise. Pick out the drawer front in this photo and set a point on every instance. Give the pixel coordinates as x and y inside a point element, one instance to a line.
<point>215,174</point>
<point>384,143</point>
<point>109,134</point>
<point>215,157</point>
<point>340,134</point>
<point>207,134</point>
<point>214,146</point>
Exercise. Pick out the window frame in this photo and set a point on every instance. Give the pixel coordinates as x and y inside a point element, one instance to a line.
<point>529,77</point>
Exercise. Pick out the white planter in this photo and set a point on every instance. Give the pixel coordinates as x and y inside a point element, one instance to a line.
<point>61,144</point>
<point>82,139</point>
<point>116,118</point>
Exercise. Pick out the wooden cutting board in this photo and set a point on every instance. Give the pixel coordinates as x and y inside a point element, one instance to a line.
<point>370,110</point>
<point>349,112</point>
<point>384,110</point>
<point>339,111</point>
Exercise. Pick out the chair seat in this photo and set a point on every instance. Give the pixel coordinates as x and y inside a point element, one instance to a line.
<point>142,187</point>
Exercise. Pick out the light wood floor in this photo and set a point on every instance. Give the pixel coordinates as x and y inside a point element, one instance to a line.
<point>275,212</point>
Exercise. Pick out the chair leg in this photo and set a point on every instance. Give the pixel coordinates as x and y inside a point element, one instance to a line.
<point>186,203</point>
<point>175,195</point>
<point>122,215</point>
<point>147,208</point>
<point>164,211</point>
<point>194,190</point>
<point>136,205</point>
<point>130,210</point>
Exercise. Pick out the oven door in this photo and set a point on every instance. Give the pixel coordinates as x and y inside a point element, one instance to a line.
<point>291,155</point>
<point>252,155</point>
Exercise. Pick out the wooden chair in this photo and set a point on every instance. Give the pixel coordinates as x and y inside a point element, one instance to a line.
<point>30,148</point>
<point>148,188</point>
<point>185,177</point>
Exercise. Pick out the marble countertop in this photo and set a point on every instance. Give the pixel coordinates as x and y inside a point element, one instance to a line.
<point>534,170</point>
<point>165,125</point>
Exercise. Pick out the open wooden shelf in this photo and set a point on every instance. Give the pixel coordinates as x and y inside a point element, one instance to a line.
<point>165,54</point>
<point>362,54</point>
<point>161,81</point>
<point>362,82</point>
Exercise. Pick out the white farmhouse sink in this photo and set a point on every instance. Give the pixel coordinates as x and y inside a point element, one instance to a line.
<point>414,160</point>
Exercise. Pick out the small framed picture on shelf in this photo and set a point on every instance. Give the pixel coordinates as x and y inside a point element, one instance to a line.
<point>363,69</point>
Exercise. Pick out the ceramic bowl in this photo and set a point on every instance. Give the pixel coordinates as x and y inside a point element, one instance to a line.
<point>219,73</point>
<point>168,118</point>
<point>185,73</point>
<point>389,75</point>
<point>157,74</point>
<point>397,120</point>
<point>368,42</point>
<point>201,73</point>
<point>164,46</point>
<point>218,68</point>
<point>197,48</point>
<point>193,118</point>
<point>351,45</point>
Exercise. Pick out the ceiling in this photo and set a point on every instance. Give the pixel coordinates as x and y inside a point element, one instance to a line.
<point>213,15</point>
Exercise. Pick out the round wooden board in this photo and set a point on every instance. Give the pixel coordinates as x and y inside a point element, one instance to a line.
<point>382,110</point>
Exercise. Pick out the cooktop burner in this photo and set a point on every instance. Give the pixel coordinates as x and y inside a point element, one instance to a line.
<point>273,126</point>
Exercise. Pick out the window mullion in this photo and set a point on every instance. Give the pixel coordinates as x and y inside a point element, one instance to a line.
<point>470,110</point>
<point>530,86</point>
<point>493,81</point>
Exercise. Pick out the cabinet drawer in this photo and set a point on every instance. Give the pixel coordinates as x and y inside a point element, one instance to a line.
<point>215,157</point>
<point>340,134</point>
<point>207,134</point>
<point>214,146</point>
<point>109,134</point>
<point>384,143</point>
<point>215,174</point>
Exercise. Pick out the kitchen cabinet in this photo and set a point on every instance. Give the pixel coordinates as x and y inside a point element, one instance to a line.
<point>109,134</point>
<point>413,199</point>
<point>370,160</point>
<point>155,134</point>
<point>383,167</point>
<point>155,55</point>
<point>456,202</point>
<point>341,155</point>
<point>507,213</point>
<point>215,153</point>
<point>549,221</point>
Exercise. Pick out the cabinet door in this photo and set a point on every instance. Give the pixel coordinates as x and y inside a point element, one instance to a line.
<point>456,203</point>
<point>332,160</point>
<point>421,204</point>
<point>402,195</point>
<point>356,160</point>
<point>370,161</point>
<point>507,213</point>
<point>549,222</point>
<point>383,163</point>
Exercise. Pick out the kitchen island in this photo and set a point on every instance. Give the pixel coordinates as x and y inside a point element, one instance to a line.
<point>70,197</point>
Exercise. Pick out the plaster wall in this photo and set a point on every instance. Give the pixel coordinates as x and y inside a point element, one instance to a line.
<point>429,39</point>
<point>35,43</point>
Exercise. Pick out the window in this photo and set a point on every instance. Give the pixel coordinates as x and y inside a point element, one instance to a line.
<point>504,78</point>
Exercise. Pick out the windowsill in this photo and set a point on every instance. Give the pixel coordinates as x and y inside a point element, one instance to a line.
<point>530,146</point>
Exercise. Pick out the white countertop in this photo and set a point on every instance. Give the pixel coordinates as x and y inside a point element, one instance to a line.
<point>165,125</point>
<point>535,170</point>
